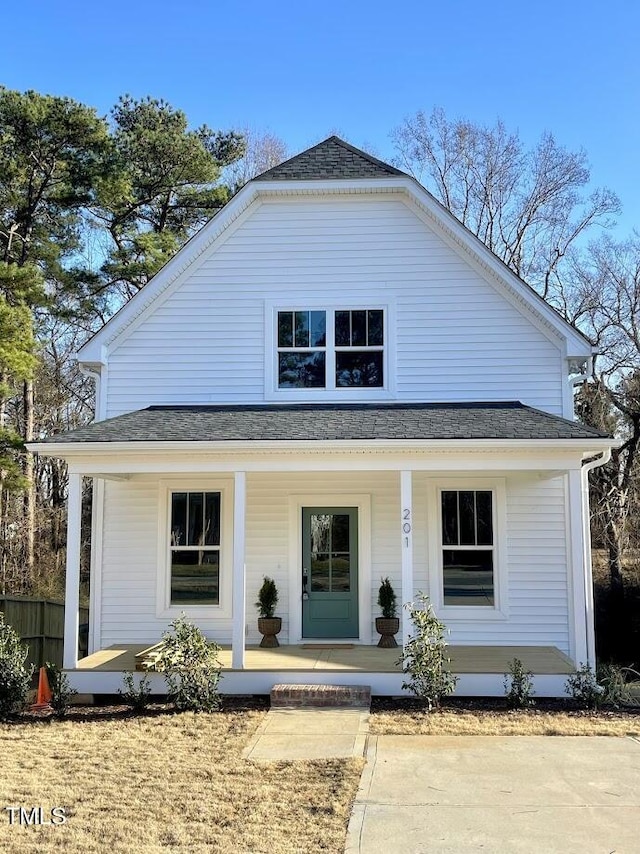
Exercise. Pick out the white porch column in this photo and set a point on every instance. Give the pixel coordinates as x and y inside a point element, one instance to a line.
<point>72,579</point>
<point>406,531</point>
<point>580,551</point>
<point>239,575</point>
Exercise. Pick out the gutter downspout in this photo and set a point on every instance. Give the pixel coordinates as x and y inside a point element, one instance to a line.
<point>589,615</point>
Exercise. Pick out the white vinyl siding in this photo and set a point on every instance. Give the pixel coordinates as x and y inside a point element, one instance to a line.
<point>536,555</point>
<point>456,337</point>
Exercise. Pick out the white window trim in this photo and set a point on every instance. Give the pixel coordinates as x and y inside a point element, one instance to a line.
<point>164,608</point>
<point>457,613</point>
<point>329,395</point>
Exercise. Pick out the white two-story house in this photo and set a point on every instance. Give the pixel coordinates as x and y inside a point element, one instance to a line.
<point>333,382</point>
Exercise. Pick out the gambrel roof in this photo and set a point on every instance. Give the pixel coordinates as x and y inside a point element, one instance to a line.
<point>331,422</point>
<point>331,158</point>
<point>335,167</point>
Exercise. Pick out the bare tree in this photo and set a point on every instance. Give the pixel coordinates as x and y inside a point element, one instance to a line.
<point>527,205</point>
<point>609,286</point>
<point>263,151</point>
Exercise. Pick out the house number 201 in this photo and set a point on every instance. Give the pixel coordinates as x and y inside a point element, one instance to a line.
<point>406,526</point>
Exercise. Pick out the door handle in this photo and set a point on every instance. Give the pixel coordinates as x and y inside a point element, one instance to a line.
<point>305,581</point>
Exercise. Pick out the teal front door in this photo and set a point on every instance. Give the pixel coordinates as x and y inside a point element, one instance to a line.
<point>329,572</point>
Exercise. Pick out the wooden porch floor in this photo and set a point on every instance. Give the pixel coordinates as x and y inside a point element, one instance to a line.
<point>359,659</point>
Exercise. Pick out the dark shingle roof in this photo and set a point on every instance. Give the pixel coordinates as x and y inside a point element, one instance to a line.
<point>317,422</point>
<point>332,158</point>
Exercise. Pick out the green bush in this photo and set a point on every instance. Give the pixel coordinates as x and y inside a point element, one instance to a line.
<point>267,598</point>
<point>15,673</point>
<point>61,692</point>
<point>424,656</point>
<point>387,599</point>
<point>191,667</point>
<point>137,697</point>
<point>518,686</point>
<point>584,688</point>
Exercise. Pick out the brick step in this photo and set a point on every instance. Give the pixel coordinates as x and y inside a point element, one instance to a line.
<point>321,696</point>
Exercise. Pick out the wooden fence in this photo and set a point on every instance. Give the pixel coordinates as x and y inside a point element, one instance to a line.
<point>40,624</point>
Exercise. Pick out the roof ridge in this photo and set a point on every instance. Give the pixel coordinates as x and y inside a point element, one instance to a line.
<point>311,166</point>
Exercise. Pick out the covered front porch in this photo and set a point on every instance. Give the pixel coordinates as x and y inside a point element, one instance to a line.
<point>509,577</point>
<point>475,666</point>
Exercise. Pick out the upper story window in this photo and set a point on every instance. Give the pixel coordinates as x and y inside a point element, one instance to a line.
<point>331,349</point>
<point>302,345</point>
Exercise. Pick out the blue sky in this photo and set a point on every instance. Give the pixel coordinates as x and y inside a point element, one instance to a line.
<point>306,69</point>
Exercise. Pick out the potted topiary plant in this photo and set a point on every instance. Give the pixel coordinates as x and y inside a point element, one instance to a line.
<point>268,625</point>
<point>388,624</point>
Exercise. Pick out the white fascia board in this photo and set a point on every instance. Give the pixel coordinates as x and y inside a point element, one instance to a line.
<point>65,450</point>
<point>577,345</point>
<point>138,305</point>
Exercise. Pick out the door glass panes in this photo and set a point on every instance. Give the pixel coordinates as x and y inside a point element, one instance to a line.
<point>330,552</point>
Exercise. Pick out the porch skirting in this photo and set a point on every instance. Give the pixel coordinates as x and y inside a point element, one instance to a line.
<point>480,669</point>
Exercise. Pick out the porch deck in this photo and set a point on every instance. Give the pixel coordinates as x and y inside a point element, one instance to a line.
<point>355,659</point>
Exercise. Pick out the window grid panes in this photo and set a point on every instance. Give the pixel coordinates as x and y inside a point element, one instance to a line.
<point>302,340</point>
<point>359,337</point>
<point>467,547</point>
<point>330,349</point>
<point>195,548</point>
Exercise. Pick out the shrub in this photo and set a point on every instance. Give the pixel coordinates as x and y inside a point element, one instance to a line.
<point>61,692</point>
<point>137,697</point>
<point>15,673</point>
<point>191,667</point>
<point>387,599</point>
<point>584,688</point>
<point>267,598</point>
<point>518,686</point>
<point>424,656</point>
<point>613,680</point>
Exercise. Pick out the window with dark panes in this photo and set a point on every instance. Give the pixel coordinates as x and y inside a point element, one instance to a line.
<point>195,548</point>
<point>359,340</point>
<point>302,342</point>
<point>468,547</point>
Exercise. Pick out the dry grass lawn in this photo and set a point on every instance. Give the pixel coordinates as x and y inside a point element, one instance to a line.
<point>469,721</point>
<point>168,783</point>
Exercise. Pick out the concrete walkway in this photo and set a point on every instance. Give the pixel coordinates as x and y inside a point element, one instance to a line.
<point>305,733</point>
<point>512,795</point>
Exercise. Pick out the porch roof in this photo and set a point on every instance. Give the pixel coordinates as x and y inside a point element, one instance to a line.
<point>330,422</point>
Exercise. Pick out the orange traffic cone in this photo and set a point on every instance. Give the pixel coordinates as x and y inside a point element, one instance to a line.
<point>43,697</point>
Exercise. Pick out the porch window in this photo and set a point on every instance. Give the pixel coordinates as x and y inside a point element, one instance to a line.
<point>467,547</point>
<point>331,349</point>
<point>195,548</point>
